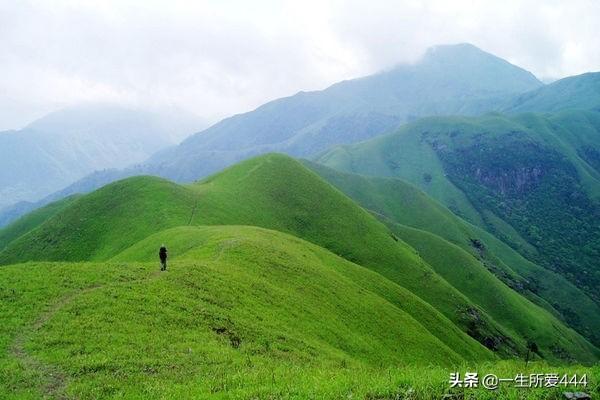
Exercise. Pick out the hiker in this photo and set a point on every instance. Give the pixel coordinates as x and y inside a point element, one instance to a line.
<point>162,254</point>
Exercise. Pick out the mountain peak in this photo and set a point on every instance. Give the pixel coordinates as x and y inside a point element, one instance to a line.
<point>463,53</point>
<point>476,68</point>
<point>456,49</point>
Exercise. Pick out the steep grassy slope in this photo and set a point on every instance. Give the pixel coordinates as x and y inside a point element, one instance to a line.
<point>398,202</point>
<point>274,192</point>
<point>468,275</point>
<point>243,310</point>
<point>529,179</point>
<point>32,220</point>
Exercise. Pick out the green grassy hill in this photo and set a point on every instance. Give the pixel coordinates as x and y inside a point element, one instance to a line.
<point>241,310</point>
<point>275,192</point>
<point>531,180</point>
<point>397,202</point>
<point>272,191</point>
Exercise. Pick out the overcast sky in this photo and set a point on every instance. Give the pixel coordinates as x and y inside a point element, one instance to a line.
<point>216,58</point>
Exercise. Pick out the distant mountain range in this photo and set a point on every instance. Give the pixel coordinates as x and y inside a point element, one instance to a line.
<point>453,79</point>
<point>66,145</point>
<point>459,79</point>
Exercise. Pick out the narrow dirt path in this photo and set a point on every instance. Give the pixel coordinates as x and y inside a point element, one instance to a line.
<point>53,380</point>
<point>193,213</point>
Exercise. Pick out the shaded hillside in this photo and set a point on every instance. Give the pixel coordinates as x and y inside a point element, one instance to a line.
<point>575,92</point>
<point>402,205</point>
<point>398,202</point>
<point>522,178</point>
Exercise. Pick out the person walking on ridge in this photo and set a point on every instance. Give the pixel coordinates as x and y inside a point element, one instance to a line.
<point>162,254</point>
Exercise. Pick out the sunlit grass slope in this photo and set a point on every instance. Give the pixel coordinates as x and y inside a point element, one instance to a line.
<point>241,311</point>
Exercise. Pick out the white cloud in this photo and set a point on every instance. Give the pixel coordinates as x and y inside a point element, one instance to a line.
<point>216,58</point>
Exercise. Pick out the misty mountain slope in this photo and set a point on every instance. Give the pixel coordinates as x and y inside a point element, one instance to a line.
<point>522,178</point>
<point>453,79</point>
<point>277,192</point>
<point>400,204</point>
<point>66,145</point>
<point>574,92</point>
<point>357,110</point>
<point>448,80</point>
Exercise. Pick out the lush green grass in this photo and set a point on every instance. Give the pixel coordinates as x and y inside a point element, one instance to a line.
<point>398,202</point>
<point>238,309</point>
<point>213,326</point>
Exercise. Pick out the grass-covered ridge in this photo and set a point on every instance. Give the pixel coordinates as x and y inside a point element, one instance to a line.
<point>274,192</point>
